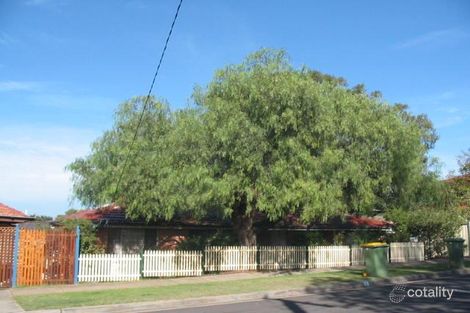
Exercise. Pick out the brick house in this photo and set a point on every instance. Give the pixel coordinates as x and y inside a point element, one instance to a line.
<point>119,234</point>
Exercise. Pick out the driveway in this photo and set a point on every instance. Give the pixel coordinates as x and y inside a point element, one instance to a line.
<point>367,299</point>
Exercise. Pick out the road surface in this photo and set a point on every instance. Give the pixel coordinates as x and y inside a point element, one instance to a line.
<point>371,299</point>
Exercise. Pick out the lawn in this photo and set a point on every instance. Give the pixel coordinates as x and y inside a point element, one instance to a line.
<point>114,296</point>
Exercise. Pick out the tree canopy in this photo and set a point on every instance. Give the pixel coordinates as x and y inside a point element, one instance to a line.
<point>264,137</point>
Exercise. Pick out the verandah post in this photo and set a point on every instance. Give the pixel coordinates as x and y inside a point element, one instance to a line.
<point>16,246</point>
<point>77,255</point>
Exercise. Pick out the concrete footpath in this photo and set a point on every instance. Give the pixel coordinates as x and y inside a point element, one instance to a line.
<point>7,304</point>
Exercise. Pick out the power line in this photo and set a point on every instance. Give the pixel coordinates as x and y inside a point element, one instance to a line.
<point>144,108</point>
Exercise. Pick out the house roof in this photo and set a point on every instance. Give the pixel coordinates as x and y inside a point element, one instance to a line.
<point>9,214</point>
<point>114,215</point>
<point>5,210</point>
<point>109,211</point>
<point>465,178</point>
<point>350,221</point>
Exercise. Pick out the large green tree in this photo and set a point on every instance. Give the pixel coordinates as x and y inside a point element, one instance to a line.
<point>263,137</point>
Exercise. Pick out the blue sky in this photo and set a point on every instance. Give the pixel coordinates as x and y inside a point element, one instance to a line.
<point>66,65</point>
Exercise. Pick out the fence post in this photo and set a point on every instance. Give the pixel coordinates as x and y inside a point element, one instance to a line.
<point>468,237</point>
<point>141,263</point>
<point>350,255</point>
<point>307,261</point>
<point>16,246</point>
<point>77,255</point>
<point>203,260</point>
<point>389,253</point>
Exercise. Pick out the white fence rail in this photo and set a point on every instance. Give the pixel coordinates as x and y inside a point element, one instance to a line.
<point>172,263</point>
<point>108,267</point>
<point>328,256</point>
<point>282,257</point>
<point>230,258</point>
<point>406,251</point>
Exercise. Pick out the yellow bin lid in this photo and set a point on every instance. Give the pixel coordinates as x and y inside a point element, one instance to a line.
<point>374,245</point>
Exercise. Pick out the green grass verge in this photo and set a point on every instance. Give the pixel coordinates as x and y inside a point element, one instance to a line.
<point>140,294</point>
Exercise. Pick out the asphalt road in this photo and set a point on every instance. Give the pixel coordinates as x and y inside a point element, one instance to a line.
<point>367,299</point>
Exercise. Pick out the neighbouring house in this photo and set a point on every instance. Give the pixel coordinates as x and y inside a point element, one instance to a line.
<point>119,234</point>
<point>10,217</point>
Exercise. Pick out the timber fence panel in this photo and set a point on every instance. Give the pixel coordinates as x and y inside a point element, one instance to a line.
<point>357,256</point>
<point>108,267</point>
<point>406,251</point>
<point>230,258</point>
<point>328,256</point>
<point>7,239</point>
<point>463,233</point>
<point>282,257</point>
<point>172,263</point>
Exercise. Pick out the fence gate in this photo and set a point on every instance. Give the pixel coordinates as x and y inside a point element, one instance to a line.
<point>59,257</point>
<point>45,257</point>
<point>7,239</point>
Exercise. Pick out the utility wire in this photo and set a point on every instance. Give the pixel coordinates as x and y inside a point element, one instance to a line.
<point>144,108</point>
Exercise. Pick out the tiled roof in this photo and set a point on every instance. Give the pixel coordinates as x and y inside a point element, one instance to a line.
<point>465,178</point>
<point>109,211</point>
<point>293,221</point>
<point>368,221</point>
<point>114,214</point>
<point>5,210</point>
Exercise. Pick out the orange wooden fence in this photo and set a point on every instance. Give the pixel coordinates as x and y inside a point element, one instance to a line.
<point>7,238</point>
<point>60,257</point>
<point>45,257</point>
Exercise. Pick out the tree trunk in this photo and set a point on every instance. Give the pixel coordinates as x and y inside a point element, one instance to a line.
<point>243,223</point>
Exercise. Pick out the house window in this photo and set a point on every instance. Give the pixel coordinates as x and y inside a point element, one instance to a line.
<point>114,240</point>
<point>132,240</point>
<point>123,240</point>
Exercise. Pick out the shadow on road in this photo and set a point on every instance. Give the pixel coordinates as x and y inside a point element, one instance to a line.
<point>377,299</point>
<point>296,306</point>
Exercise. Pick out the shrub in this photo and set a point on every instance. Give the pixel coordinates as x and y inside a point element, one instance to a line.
<point>88,241</point>
<point>431,226</point>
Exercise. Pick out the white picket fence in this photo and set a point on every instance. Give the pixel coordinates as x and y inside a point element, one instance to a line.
<point>108,267</point>
<point>328,256</point>
<point>406,251</point>
<point>357,256</point>
<point>463,233</point>
<point>172,263</point>
<point>282,257</point>
<point>230,258</point>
